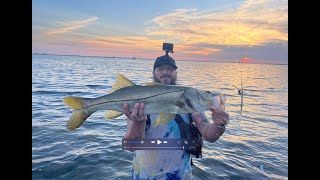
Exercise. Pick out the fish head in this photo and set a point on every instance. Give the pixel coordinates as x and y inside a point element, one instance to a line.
<point>196,100</point>
<point>211,98</point>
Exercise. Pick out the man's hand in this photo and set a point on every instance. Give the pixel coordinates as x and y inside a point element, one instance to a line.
<point>219,116</point>
<point>211,131</point>
<point>136,125</point>
<point>137,115</point>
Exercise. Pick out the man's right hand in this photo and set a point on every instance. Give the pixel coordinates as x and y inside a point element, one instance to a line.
<point>137,115</point>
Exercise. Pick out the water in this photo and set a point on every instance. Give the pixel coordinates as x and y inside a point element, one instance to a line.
<point>254,146</point>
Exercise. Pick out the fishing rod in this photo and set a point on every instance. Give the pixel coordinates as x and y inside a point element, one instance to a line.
<point>241,90</point>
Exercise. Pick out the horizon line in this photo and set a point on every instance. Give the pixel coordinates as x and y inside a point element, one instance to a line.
<point>152,59</point>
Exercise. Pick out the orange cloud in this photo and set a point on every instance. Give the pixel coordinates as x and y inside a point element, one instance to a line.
<point>71,26</point>
<point>196,34</point>
<point>253,23</point>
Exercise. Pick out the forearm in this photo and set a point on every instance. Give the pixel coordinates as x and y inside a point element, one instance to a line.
<point>211,132</point>
<point>135,130</point>
<point>208,130</point>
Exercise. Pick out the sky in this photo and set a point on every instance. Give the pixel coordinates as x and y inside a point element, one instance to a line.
<point>254,31</point>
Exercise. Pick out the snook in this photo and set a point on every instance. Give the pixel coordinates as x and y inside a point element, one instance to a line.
<point>166,100</point>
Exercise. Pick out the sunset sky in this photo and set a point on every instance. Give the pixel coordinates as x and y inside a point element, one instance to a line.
<point>206,30</point>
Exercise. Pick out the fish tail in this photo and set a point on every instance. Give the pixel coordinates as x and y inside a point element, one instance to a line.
<point>80,113</point>
<point>74,102</point>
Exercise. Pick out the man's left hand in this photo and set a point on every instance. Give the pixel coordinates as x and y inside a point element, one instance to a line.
<point>219,116</point>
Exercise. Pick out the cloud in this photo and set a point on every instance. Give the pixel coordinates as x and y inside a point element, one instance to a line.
<point>259,26</point>
<point>134,42</point>
<point>253,23</point>
<point>71,26</point>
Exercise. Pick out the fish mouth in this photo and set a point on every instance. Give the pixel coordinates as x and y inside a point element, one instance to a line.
<point>219,101</point>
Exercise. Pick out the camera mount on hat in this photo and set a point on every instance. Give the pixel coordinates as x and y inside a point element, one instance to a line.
<point>168,47</point>
<point>166,59</point>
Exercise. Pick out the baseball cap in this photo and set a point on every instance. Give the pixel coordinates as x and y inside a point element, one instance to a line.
<point>166,59</point>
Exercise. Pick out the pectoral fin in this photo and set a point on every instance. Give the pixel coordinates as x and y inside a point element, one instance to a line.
<point>110,114</point>
<point>185,104</point>
<point>163,119</point>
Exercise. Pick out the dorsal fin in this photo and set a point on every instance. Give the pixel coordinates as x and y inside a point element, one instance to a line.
<point>121,82</point>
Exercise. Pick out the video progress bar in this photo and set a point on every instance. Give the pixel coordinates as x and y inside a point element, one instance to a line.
<point>159,143</point>
<point>157,148</point>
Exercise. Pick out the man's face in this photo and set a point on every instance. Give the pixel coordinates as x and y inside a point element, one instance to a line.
<point>165,74</point>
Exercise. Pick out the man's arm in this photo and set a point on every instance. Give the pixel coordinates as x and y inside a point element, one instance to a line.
<point>211,131</point>
<point>136,121</point>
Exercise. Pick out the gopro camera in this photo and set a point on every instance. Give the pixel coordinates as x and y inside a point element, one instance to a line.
<point>168,47</point>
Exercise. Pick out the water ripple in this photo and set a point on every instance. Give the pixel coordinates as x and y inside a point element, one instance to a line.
<point>258,136</point>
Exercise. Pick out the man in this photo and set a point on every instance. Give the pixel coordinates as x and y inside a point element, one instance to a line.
<point>168,164</point>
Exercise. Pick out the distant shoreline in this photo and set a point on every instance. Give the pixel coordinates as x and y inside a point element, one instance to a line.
<point>133,58</point>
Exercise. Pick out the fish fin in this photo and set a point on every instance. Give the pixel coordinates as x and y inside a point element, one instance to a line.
<point>73,102</point>
<point>186,104</point>
<point>151,84</point>
<point>121,82</point>
<point>79,114</point>
<point>110,114</point>
<point>163,119</point>
<point>77,119</point>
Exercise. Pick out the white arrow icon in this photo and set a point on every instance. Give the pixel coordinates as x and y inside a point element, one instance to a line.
<point>158,142</point>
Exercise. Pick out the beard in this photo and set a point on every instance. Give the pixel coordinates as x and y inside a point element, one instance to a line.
<point>172,82</point>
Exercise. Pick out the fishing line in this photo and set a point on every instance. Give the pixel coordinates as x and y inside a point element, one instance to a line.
<point>236,33</point>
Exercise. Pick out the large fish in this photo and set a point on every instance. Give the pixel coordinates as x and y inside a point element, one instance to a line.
<point>165,100</point>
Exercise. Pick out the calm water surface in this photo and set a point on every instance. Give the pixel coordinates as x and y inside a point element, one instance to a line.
<point>254,146</point>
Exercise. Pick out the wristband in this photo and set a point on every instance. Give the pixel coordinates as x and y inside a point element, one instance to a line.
<point>225,125</point>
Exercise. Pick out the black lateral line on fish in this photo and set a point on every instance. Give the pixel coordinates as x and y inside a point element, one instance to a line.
<point>126,100</point>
